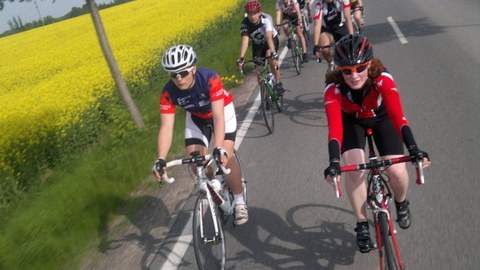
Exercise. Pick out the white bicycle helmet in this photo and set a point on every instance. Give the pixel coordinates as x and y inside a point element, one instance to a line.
<point>178,57</point>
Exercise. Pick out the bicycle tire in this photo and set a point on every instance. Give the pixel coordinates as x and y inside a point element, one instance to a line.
<point>209,254</point>
<point>279,102</point>
<point>295,58</point>
<point>390,262</point>
<point>267,107</point>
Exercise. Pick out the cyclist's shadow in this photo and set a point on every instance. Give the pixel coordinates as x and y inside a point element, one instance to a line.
<point>286,245</point>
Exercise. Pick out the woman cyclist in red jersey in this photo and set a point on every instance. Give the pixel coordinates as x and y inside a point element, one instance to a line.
<point>209,111</point>
<point>361,94</point>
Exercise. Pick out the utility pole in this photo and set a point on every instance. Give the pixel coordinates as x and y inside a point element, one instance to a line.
<point>38,10</point>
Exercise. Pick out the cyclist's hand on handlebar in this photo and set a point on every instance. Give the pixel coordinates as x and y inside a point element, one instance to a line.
<point>419,155</point>
<point>220,155</point>
<point>240,63</point>
<point>159,168</point>
<point>332,170</point>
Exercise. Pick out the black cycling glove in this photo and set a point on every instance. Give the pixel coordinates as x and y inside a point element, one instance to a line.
<point>333,169</point>
<point>274,56</point>
<point>218,152</point>
<point>159,165</point>
<point>417,154</point>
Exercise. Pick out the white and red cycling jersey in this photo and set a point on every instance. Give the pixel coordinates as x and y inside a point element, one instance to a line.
<point>331,13</point>
<point>208,87</point>
<point>287,7</point>
<point>379,101</point>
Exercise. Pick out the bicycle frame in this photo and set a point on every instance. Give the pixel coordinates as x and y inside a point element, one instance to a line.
<point>379,195</point>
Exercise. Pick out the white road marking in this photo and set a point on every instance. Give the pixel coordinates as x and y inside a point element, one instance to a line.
<point>395,27</point>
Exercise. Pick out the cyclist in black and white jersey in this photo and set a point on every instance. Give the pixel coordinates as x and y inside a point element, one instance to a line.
<point>258,27</point>
<point>289,11</point>
<point>332,21</point>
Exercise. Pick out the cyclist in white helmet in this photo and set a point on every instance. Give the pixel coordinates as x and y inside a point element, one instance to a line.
<point>209,111</point>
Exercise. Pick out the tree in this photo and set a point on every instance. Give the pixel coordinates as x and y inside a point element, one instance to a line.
<point>107,52</point>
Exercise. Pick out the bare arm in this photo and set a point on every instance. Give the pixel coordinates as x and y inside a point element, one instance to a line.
<point>244,46</point>
<point>218,122</point>
<point>348,19</point>
<point>165,134</point>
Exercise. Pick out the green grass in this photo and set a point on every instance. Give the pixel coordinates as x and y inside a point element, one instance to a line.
<point>55,223</point>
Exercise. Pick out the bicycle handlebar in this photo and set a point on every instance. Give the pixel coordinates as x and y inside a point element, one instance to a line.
<point>373,164</point>
<point>192,160</point>
<point>256,60</point>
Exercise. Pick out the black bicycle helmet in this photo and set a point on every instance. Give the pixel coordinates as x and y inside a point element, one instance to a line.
<point>352,50</point>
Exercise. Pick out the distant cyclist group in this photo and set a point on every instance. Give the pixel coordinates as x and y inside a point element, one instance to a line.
<point>360,94</point>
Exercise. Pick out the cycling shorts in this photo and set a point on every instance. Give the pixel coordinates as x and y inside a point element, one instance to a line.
<point>386,139</point>
<point>200,130</point>
<point>337,33</point>
<point>291,18</point>
<point>260,50</point>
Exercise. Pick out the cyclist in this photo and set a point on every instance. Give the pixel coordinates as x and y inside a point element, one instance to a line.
<point>332,20</point>
<point>362,94</point>
<point>305,4</point>
<point>357,10</point>
<point>289,10</point>
<point>209,111</point>
<point>258,26</point>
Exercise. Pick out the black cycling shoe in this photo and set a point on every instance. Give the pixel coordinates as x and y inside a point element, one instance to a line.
<point>279,88</point>
<point>403,214</point>
<point>364,242</point>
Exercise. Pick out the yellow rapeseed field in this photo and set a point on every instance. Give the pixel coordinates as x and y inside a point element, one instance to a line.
<point>51,76</point>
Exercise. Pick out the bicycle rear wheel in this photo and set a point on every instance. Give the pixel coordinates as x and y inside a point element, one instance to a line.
<point>390,261</point>
<point>209,245</point>
<point>295,57</point>
<point>267,107</point>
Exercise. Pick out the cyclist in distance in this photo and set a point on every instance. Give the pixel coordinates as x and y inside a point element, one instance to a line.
<point>357,10</point>
<point>289,10</point>
<point>305,4</point>
<point>209,111</point>
<point>361,94</point>
<point>332,20</point>
<point>258,27</point>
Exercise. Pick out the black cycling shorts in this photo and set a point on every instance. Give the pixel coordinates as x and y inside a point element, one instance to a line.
<point>337,33</point>
<point>386,139</point>
<point>260,50</point>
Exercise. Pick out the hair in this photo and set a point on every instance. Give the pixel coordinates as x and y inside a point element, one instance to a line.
<point>376,68</point>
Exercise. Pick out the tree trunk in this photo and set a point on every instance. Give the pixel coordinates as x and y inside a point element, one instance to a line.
<point>112,64</point>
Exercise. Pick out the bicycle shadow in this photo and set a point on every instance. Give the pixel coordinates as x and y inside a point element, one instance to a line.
<point>148,219</point>
<point>306,109</point>
<point>279,244</point>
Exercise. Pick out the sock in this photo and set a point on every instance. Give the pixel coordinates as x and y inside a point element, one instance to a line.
<point>238,198</point>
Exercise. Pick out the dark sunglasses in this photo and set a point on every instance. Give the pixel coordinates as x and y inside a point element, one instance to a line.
<point>181,74</point>
<point>349,70</point>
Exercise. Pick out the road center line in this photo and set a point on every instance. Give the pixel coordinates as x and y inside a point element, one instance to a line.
<point>395,27</point>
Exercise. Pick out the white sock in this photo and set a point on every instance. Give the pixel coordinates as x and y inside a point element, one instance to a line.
<point>238,198</point>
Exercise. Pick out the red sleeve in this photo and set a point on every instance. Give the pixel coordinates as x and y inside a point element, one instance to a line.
<point>346,3</point>
<point>317,13</point>
<point>333,110</point>
<point>216,88</point>
<point>390,97</point>
<point>166,104</point>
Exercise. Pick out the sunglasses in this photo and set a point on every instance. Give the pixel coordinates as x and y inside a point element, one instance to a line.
<point>358,69</point>
<point>181,74</point>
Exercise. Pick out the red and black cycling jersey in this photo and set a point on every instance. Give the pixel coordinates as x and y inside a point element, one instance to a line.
<point>376,102</point>
<point>257,32</point>
<point>287,8</point>
<point>207,88</point>
<point>331,14</point>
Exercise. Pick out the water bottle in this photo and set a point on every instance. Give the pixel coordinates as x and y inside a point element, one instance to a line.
<point>215,188</point>
<point>270,79</point>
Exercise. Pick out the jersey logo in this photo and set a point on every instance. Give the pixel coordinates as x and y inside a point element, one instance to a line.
<point>380,83</point>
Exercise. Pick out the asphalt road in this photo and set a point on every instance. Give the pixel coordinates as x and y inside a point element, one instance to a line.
<point>295,220</point>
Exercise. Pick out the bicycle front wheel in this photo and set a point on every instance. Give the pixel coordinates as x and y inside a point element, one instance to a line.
<point>295,56</point>
<point>208,238</point>
<point>390,261</point>
<point>267,106</point>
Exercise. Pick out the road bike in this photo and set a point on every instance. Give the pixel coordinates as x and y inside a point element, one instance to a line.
<point>213,208</point>
<point>268,94</point>
<point>356,27</point>
<point>306,25</point>
<point>379,200</point>
<point>294,45</point>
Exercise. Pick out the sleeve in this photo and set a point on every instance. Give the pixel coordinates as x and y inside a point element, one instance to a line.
<point>333,110</point>
<point>215,88</point>
<point>243,29</point>
<point>166,103</point>
<point>317,11</point>
<point>346,3</point>
<point>268,23</point>
<point>391,98</point>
